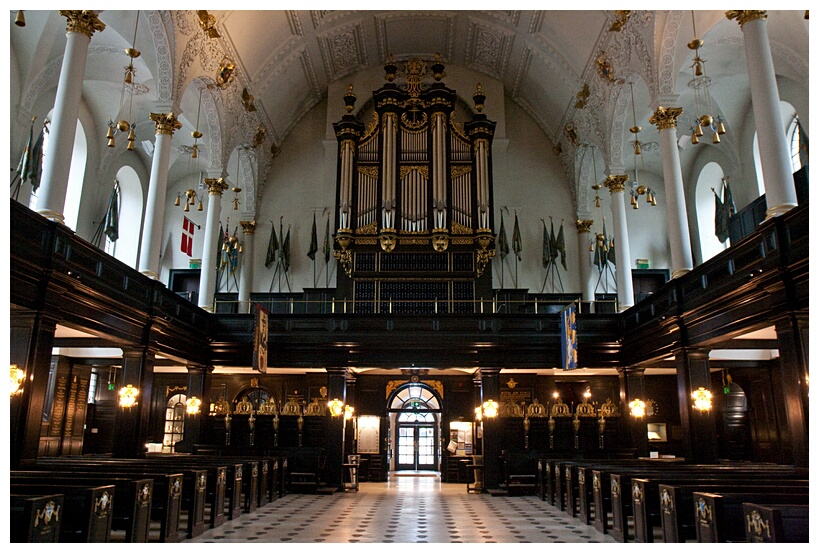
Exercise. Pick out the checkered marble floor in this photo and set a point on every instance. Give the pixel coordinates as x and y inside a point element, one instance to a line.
<point>417,509</point>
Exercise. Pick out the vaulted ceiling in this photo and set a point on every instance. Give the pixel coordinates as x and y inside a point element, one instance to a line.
<point>286,59</point>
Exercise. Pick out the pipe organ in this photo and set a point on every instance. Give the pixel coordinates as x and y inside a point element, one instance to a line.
<point>414,197</point>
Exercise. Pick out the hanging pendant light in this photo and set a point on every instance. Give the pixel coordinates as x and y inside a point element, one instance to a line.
<point>20,20</point>
<point>124,125</point>
<point>701,83</point>
<point>196,134</point>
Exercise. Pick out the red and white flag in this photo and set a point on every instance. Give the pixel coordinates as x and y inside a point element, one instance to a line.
<point>187,236</point>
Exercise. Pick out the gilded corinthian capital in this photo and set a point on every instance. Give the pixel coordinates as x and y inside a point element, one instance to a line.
<point>166,123</point>
<point>665,118</point>
<point>584,225</point>
<point>216,186</point>
<point>248,227</point>
<point>82,21</point>
<point>744,16</point>
<point>616,183</point>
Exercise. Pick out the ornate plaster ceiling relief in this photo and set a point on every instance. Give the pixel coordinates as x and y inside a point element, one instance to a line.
<point>535,22</point>
<point>294,21</point>
<point>507,16</point>
<point>666,70</point>
<point>444,21</point>
<point>324,17</point>
<point>488,48</point>
<point>162,48</point>
<point>343,50</point>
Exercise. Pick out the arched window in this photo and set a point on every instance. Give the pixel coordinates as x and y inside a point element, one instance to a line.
<point>414,397</point>
<point>710,178</point>
<point>791,120</point>
<point>174,422</point>
<point>76,176</point>
<point>126,247</point>
<point>798,143</point>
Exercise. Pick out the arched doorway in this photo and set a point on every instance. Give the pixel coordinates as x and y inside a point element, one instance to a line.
<point>415,417</point>
<point>736,442</point>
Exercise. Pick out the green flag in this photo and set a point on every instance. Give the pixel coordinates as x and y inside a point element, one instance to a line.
<point>111,229</point>
<point>552,240</point>
<point>561,246</point>
<point>720,218</point>
<point>728,199</point>
<point>272,247</point>
<point>311,253</point>
<point>327,241</point>
<point>547,251</point>
<point>503,245</point>
<point>517,244</point>
<point>286,250</point>
<point>24,166</point>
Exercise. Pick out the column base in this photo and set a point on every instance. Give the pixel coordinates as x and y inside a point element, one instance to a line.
<point>52,215</point>
<point>622,308</point>
<point>150,274</point>
<point>677,273</point>
<point>778,210</point>
<point>208,308</point>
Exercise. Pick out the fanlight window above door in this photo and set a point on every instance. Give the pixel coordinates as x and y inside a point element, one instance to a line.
<point>415,398</point>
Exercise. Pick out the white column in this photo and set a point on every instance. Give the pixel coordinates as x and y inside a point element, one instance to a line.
<point>166,124</point>
<point>56,165</point>
<point>210,251</point>
<point>622,255</point>
<point>586,284</point>
<point>246,272</point>
<point>679,237</point>
<point>774,153</point>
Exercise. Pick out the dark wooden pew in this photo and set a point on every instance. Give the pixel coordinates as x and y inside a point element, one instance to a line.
<point>35,518</point>
<point>654,507</point>
<point>611,487</point>
<point>677,517</point>
<point>254,481</point>
<point>720,517</point>
<point>167,488</point>
<point>575,490</point>
<point>621,491</point>
<point>776,523</point>
<point>132,509</point>
<point>203,486</point>
<point>87,510</point>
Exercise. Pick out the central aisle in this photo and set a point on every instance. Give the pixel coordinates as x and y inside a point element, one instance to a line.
<point>407,509</point>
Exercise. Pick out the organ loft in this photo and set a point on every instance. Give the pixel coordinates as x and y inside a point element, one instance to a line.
<point>414,213</point>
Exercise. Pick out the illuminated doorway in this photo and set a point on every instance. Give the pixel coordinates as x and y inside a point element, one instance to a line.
<point>415,411</point>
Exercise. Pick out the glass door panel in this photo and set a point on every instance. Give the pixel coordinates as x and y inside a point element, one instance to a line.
<point>416,448</point>
<point>426,448</point>
<point>406,448</point>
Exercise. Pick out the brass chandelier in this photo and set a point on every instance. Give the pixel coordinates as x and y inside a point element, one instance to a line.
<point>701,82</point>
<point>638,189</point>
<point>125,125</point>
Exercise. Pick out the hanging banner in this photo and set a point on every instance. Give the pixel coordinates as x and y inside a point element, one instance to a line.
<point>568,335</point>
<point>260,341</point>
<point>187,236</point>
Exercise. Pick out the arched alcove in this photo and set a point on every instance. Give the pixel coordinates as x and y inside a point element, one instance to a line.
<point>126,247</point>
<point>710,177</point>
